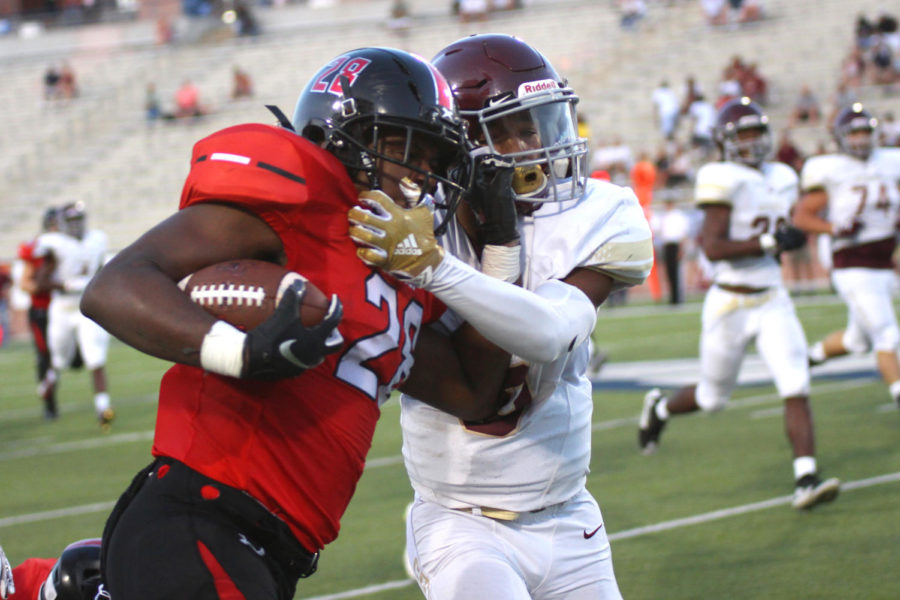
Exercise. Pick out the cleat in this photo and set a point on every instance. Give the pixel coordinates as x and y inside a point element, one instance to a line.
<point>106,418</point>
<point>813,362</point>
<point>650,425</point>
<point>810,491</point>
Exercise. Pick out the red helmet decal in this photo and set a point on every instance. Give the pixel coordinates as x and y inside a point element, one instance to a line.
<point>329,78</point>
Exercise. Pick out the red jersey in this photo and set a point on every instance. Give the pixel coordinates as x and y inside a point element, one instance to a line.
<point>26,253</point>
<point>29,576</point>
<point>297,445</point>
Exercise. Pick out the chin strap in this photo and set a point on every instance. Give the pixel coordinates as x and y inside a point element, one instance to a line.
<point>282,118</point>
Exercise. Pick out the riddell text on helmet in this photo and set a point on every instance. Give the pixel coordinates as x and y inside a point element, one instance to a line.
<point>533,87</point>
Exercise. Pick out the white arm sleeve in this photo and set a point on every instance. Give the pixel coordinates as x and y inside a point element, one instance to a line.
<point>536,326</point>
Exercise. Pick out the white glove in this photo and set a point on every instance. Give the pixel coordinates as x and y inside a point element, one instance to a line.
<point>7,586</point>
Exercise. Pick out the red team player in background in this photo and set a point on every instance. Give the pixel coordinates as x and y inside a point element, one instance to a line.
<point>75,575</point>
<point>261,436</point>
<point>37,314</point>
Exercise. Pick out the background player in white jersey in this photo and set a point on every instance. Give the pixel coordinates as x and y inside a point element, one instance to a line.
<point>853,196</point>
<point>501,510</point>
<point>746,203</point>
<point>71,258</point>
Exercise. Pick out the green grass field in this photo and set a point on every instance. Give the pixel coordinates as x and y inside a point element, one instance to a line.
<point>705,517</point>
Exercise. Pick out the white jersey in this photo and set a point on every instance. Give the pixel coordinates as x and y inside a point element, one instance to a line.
<point>868,191</point>
<point>76,260</point>
<point>760,200</point>
<point>536,454</point>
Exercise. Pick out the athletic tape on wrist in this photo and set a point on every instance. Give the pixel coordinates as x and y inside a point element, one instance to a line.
<point>501,262</point>
<point>222,350</point>
<point>767,243</point>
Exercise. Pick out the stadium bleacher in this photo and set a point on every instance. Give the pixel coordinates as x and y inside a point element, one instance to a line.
<point>99,149</point>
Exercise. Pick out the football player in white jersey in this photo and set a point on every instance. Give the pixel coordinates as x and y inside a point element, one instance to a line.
<point>501,510</point>
<point>853,196</point>
<point>71,258</point>
<point>746,202</point>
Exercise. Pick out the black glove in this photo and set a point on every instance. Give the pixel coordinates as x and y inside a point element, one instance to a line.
<point>492,199</point>
<point>281,346</point>
<point>789,238</point>
<point>850,230</point>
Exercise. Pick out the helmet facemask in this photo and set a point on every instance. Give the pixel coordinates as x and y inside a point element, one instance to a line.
<point>538,132</point>
<point>749,146</point>
<point>436,156</point>
<point>858,141</point>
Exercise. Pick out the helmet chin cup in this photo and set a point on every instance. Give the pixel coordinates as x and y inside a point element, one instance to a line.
<point>528,181</point>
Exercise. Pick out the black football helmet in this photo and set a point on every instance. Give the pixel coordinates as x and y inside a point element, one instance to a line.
<point>76,575</point>
<point>736,116</point>
<point>362,95</point>
<point>500,82</point>
<point>854,119</point>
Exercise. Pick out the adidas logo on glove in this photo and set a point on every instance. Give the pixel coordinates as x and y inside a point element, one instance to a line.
<point>408,247</point>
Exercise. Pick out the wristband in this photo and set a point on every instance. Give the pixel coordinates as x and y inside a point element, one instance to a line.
<point>222,350</point>
<point>767,243</point>
<point>501,262</point>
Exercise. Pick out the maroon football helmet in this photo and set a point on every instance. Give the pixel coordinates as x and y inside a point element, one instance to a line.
<point>847,125</point>
<point>507,91</point>
<point>736,117</point>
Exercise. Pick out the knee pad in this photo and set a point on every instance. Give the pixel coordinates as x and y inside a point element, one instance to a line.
<point>710,398</point>
<point>887,339</point>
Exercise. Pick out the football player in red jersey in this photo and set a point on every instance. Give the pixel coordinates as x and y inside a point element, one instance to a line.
<point>75,575</point>
<point>262,435</point>
<point>37,314</point>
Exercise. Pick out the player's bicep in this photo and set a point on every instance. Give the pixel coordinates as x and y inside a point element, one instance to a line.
<point>205,234</point>
<point>595,284</point>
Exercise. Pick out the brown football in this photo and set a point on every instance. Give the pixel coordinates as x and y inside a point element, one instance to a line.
<point>246,292</point>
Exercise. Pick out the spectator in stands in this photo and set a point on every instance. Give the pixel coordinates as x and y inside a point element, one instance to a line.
<point>681,168</point>
<point>890,130</point>
<point>865,32</point>
<point>241,84</point>
<point>749,10</point>
<point>152,108</point>
<point>853,68</point>
<point>399,18</point>
<point>787,151</point>
<point>245,22</point>
<point>716,11</point>
<point>703,118</point>
<point>692,89</point>
<point>68,87</point>
<point>51,83</point>
<point>667,109</point>
<point>473,10</point>
<point>754,85</point>
<point>187,101</point>
<point>883,71</point>
<point>631,11</point>
<point>807,109</point>
<point>165,33</point>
